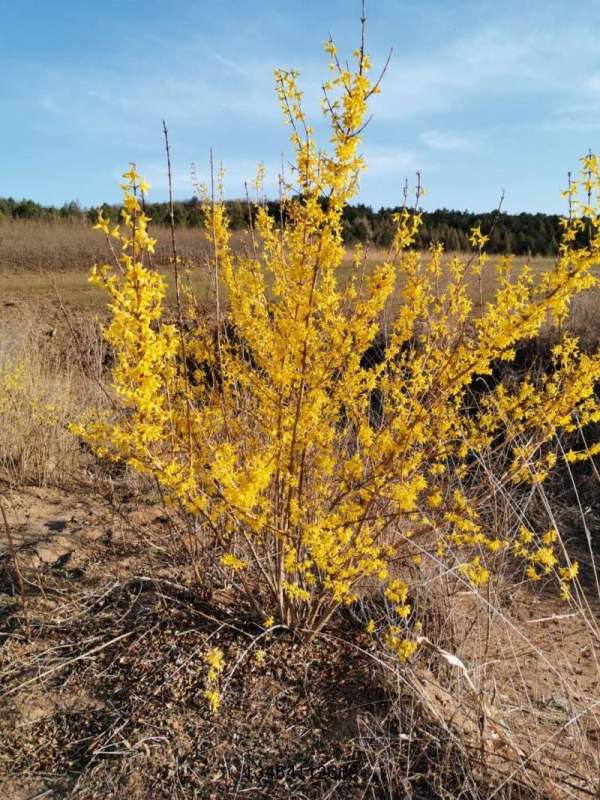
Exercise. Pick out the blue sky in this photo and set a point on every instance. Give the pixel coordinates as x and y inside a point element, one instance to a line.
<point>480,96</point>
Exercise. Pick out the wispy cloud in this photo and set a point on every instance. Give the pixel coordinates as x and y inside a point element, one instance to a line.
<point>48,103</point>
<point>447,140</point>
<point>389,161</point>
<point>183,98</point>
<point>581,110</point>
<point>238,172</point>
<point>494,61</point>
<point>593,83</point>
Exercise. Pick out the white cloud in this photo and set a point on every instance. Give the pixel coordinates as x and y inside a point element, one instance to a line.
<point>237,172</point>
<point>48,103</point>
<point>496,60</point>
<point>446,140</point>
<point>97,102</point>
<point>593,83</point>
<point>389,161</point>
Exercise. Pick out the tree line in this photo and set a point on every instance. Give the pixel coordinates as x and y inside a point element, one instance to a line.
<point>521,234</point>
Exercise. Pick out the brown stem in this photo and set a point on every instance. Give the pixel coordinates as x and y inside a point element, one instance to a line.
<point>175,260</point>
<point>13,555</point>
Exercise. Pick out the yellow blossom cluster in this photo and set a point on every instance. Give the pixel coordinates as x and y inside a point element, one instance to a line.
<point>12,383</point>
<point>216,662</point>
<point>541,555</point>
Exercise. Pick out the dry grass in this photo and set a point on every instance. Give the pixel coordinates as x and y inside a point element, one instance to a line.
<point>73,245</point>
<point>36,257</point>
<point>75,291</point>
<point>39,258</point>
<point>47,391</point>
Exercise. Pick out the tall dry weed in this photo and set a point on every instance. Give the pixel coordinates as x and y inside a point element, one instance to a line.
<point>41,387</point>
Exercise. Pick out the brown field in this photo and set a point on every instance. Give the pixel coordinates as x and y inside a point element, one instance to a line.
<point>103,623</point>
<point>39,259</point>
<point>39,246</point>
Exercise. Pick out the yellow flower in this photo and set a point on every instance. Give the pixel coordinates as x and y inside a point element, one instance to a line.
<point>214,699</point>
<point>215,659</point>
<point>260,657</point>
<point>232,561</point>
<point>475,572</point>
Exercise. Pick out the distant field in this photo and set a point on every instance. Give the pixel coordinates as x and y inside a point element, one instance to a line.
<point>37,256</point>
<point>73,245</point>
<point>40,259</point>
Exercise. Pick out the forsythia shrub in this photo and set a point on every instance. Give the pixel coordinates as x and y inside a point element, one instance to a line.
<point>265,428</point>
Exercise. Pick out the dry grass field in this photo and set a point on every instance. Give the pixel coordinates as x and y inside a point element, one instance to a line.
<point>103,622</point>
<point>71,245</point>
<point>39,259</point>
